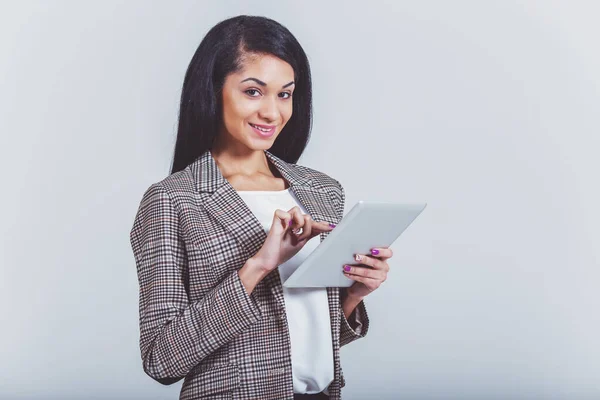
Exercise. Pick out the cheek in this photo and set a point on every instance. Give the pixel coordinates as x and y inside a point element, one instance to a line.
<point>236,110</point>
<point>286,111</point>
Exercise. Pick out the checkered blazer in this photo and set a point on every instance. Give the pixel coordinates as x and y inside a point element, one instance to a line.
<point>191,235</point>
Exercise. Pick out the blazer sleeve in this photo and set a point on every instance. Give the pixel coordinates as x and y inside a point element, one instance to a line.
<point>176,334</point>
<point>357,325</point>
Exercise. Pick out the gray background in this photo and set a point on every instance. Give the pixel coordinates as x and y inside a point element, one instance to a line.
<point>487,110</point>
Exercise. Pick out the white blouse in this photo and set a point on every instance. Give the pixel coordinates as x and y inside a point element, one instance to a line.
<point>307,309</point>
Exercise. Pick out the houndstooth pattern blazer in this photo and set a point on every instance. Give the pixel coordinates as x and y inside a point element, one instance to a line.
<point>191,234</point>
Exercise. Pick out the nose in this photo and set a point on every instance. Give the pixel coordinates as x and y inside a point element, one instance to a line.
<point>268,109</point>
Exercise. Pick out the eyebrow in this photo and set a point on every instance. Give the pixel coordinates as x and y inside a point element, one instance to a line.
<point>264,84</point>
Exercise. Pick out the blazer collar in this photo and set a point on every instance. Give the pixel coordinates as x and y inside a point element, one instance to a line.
<point>208,176</point>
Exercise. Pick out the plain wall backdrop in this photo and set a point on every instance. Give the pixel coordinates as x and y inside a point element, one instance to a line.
<point>486,110</point>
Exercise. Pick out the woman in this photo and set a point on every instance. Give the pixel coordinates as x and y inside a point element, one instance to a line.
<point>214,240</point>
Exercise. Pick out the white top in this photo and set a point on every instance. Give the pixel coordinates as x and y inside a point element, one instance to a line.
<point>307,309</point>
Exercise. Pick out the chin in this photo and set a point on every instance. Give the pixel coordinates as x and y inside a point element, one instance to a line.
<point>262,145</point>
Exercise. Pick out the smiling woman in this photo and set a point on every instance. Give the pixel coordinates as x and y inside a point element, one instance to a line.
<point>246,71</point>
<point>256,109</point>
<point>213,240</point>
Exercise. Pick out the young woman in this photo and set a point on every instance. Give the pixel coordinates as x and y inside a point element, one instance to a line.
<point>214,240</point>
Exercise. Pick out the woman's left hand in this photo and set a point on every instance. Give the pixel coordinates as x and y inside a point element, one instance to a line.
<point>368,279</point>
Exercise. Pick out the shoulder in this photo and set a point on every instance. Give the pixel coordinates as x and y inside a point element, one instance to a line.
<point>320,180</point>
<point>170,189</point>
<point>323,181</point>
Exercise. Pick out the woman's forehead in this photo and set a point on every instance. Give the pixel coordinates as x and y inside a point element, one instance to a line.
<point>267,68</point>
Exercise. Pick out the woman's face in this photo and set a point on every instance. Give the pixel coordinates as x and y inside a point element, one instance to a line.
<point>257,102</point>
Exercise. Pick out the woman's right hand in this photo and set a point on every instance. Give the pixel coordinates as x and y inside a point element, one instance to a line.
<point>283,241</point>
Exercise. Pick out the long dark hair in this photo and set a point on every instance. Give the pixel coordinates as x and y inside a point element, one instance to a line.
<point>219,54</point>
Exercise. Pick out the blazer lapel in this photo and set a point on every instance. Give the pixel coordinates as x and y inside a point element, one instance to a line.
<point>222,201</point>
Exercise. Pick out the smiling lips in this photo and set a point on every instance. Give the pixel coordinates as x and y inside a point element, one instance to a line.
<point>264,131</point>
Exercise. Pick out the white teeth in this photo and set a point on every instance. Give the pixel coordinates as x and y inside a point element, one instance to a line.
<point>261,129</point>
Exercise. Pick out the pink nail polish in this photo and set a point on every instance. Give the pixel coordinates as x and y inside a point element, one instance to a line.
<point>346,268</point>
<point>374,252</point>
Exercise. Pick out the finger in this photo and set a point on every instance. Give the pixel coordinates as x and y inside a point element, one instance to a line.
<point>312,228</point>
<point>297,218</point>
<point>283,218</point>
<point>321,226</point>
<point>307,230</point>
<point>371,261</point>
<point>364,272</point>
<point>370,283</point>
<point>382,253</point>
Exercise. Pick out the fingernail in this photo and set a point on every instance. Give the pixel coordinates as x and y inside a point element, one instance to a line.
<point>290,224</point>
<point>358,257</point>
<point>374,252</point>
<point>346,268</point>
<point>332,225</point>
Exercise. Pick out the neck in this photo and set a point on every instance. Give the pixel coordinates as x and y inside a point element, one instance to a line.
<point>247,162</point>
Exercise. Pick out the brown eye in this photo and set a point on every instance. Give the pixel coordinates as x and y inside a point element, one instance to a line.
<point>284,93</point>
<point>251,90</point>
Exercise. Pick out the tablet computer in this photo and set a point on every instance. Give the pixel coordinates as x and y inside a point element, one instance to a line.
<point>368,224</point>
